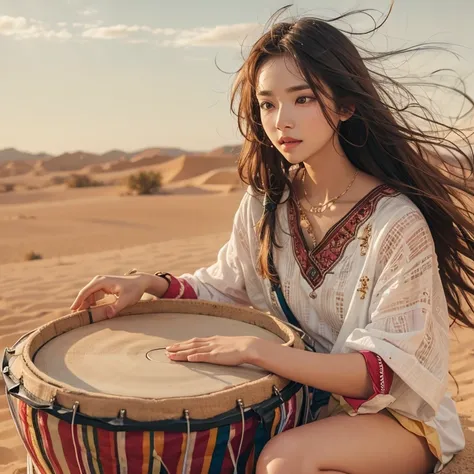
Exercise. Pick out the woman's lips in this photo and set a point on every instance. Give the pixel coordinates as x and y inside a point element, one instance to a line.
<point>287,146</point>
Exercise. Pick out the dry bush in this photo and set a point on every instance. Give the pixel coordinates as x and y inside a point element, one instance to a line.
<point>33,256</point>
<point>144,182</point>
<point>82,181</point>
<point>54,180</point>
<point>7,187</point>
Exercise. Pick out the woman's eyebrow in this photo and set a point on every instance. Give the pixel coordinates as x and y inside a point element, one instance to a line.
<point>300,87</point>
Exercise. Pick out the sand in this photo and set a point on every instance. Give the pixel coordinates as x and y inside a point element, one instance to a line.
<point>84,232</point>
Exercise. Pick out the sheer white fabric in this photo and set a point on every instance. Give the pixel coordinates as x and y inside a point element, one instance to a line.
<point>400,313</point>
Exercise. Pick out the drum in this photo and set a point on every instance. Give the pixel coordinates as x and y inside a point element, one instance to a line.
<point>99,396</point>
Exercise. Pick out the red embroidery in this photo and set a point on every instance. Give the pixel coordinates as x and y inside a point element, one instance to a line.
<point>381,376</point>
<point>316,263</point>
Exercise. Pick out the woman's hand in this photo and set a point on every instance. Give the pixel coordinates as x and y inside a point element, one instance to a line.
<point>221,350</point>
<point>127,290</point>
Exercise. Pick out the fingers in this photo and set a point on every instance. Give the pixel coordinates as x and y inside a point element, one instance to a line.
<point>191,343</point>
<point>81,299</point>
<point>190,354</point>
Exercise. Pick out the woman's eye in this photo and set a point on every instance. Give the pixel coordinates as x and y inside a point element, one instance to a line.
<point>304,100</point>
<point>263,105</point>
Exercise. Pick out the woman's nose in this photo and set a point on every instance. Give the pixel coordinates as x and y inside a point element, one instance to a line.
<point>284,120</point>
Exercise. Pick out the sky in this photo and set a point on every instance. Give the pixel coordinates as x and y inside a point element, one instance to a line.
<point>118,74</point>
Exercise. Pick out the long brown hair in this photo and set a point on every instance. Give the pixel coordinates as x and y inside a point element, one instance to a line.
<point>380,139</point>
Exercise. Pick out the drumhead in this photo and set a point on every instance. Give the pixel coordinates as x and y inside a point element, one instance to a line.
<point>108,366</point>
<point>126,356</point>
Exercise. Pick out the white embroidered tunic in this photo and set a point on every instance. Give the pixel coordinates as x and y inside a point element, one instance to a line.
<point>371,284</point>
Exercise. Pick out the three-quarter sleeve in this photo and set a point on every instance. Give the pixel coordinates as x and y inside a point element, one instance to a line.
<point>225,280</point>
<point>408,319</point>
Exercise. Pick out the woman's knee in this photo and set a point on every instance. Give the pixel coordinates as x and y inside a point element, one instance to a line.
<point>279,456</point>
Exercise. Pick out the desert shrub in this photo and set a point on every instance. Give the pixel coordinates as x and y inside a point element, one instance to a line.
<point>81,181</point>
<point>144,182</point>
<point>33,256</point>
<point>7,187</point>
<point>57,180</point>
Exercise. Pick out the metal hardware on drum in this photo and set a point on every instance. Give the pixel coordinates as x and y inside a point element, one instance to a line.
<point>69,379</point>
<point>147,355</point>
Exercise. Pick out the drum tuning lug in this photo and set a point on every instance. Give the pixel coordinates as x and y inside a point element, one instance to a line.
<point>6,370</point>
<point>186,415</point>
<point>278,393</point>
<point>122,413</point>
<point>240,403</point>
<point>52,400</point>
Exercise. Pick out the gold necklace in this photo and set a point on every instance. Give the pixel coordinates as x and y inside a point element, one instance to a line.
<point>322,207</point>
<point>304,221</point>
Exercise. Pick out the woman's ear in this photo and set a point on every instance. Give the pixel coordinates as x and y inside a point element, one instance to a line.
<point>346,112</point>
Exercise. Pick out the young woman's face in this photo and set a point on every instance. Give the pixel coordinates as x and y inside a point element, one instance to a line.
<point>290,111</point>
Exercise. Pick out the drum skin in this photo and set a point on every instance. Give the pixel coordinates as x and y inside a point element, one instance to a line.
<point>225,436</point>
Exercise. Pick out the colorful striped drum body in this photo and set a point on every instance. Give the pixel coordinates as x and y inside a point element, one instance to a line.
<point>57,447</point>
<point>91,395</point>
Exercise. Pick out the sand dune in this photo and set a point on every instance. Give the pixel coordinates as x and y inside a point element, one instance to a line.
<point>14,168</point>
<point>34,293</point>
<point>211,171</point>
<point>83,232</point>
<point>190,166</point>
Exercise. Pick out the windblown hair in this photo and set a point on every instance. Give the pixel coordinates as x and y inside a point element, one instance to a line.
<point>381,138</point>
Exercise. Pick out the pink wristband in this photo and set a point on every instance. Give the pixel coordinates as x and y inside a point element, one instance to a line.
<point>179,289</point>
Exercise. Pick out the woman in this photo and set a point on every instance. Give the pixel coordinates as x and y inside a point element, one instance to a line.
<point>350,229</point>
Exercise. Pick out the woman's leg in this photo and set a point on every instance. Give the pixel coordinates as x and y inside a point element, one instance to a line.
<point>363,444</point>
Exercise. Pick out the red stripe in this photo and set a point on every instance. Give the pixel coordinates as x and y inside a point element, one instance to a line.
<point>64,430</point>
<point>251,425</point>
<point>47,442</point>
<point>172,450</point>
<point>134,451</point>
<point>292,413</point>
<point>227,465</point>
<point>26,429</point>
<point>202,439</point>
<point>106,451</point>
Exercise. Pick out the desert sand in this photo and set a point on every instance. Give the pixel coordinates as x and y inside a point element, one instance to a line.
<point>84,232</point>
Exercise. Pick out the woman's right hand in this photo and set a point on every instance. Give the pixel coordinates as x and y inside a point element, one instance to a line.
<point>127,290</point>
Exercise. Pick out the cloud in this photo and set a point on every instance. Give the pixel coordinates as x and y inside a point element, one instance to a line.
<point>22,28</point>
<point>221,35</point>
<point>94,24</point>
<point>88,12</point>
<point>115,32</point>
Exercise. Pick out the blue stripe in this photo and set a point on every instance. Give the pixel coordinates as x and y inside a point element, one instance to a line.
<point>222,438</point>
<point>261,439</point>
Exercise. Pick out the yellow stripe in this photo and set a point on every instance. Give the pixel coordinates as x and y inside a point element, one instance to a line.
<point>159,443</point>
<point>121,451</point>
<point>158,446</point>
<point>93,448</point>
<point>192,441</point>
<point>146,452</point>
<point>34,441</point>
<point>276,420</point>
<point>82,449</point>
<point>53,429</point>
<point>211,443</point>
<point>179,468</point>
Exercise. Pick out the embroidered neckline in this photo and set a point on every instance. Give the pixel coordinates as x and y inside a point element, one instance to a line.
<point>317,262</point>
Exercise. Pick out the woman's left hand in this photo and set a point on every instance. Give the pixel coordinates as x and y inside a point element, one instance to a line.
<point>222,350</point>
